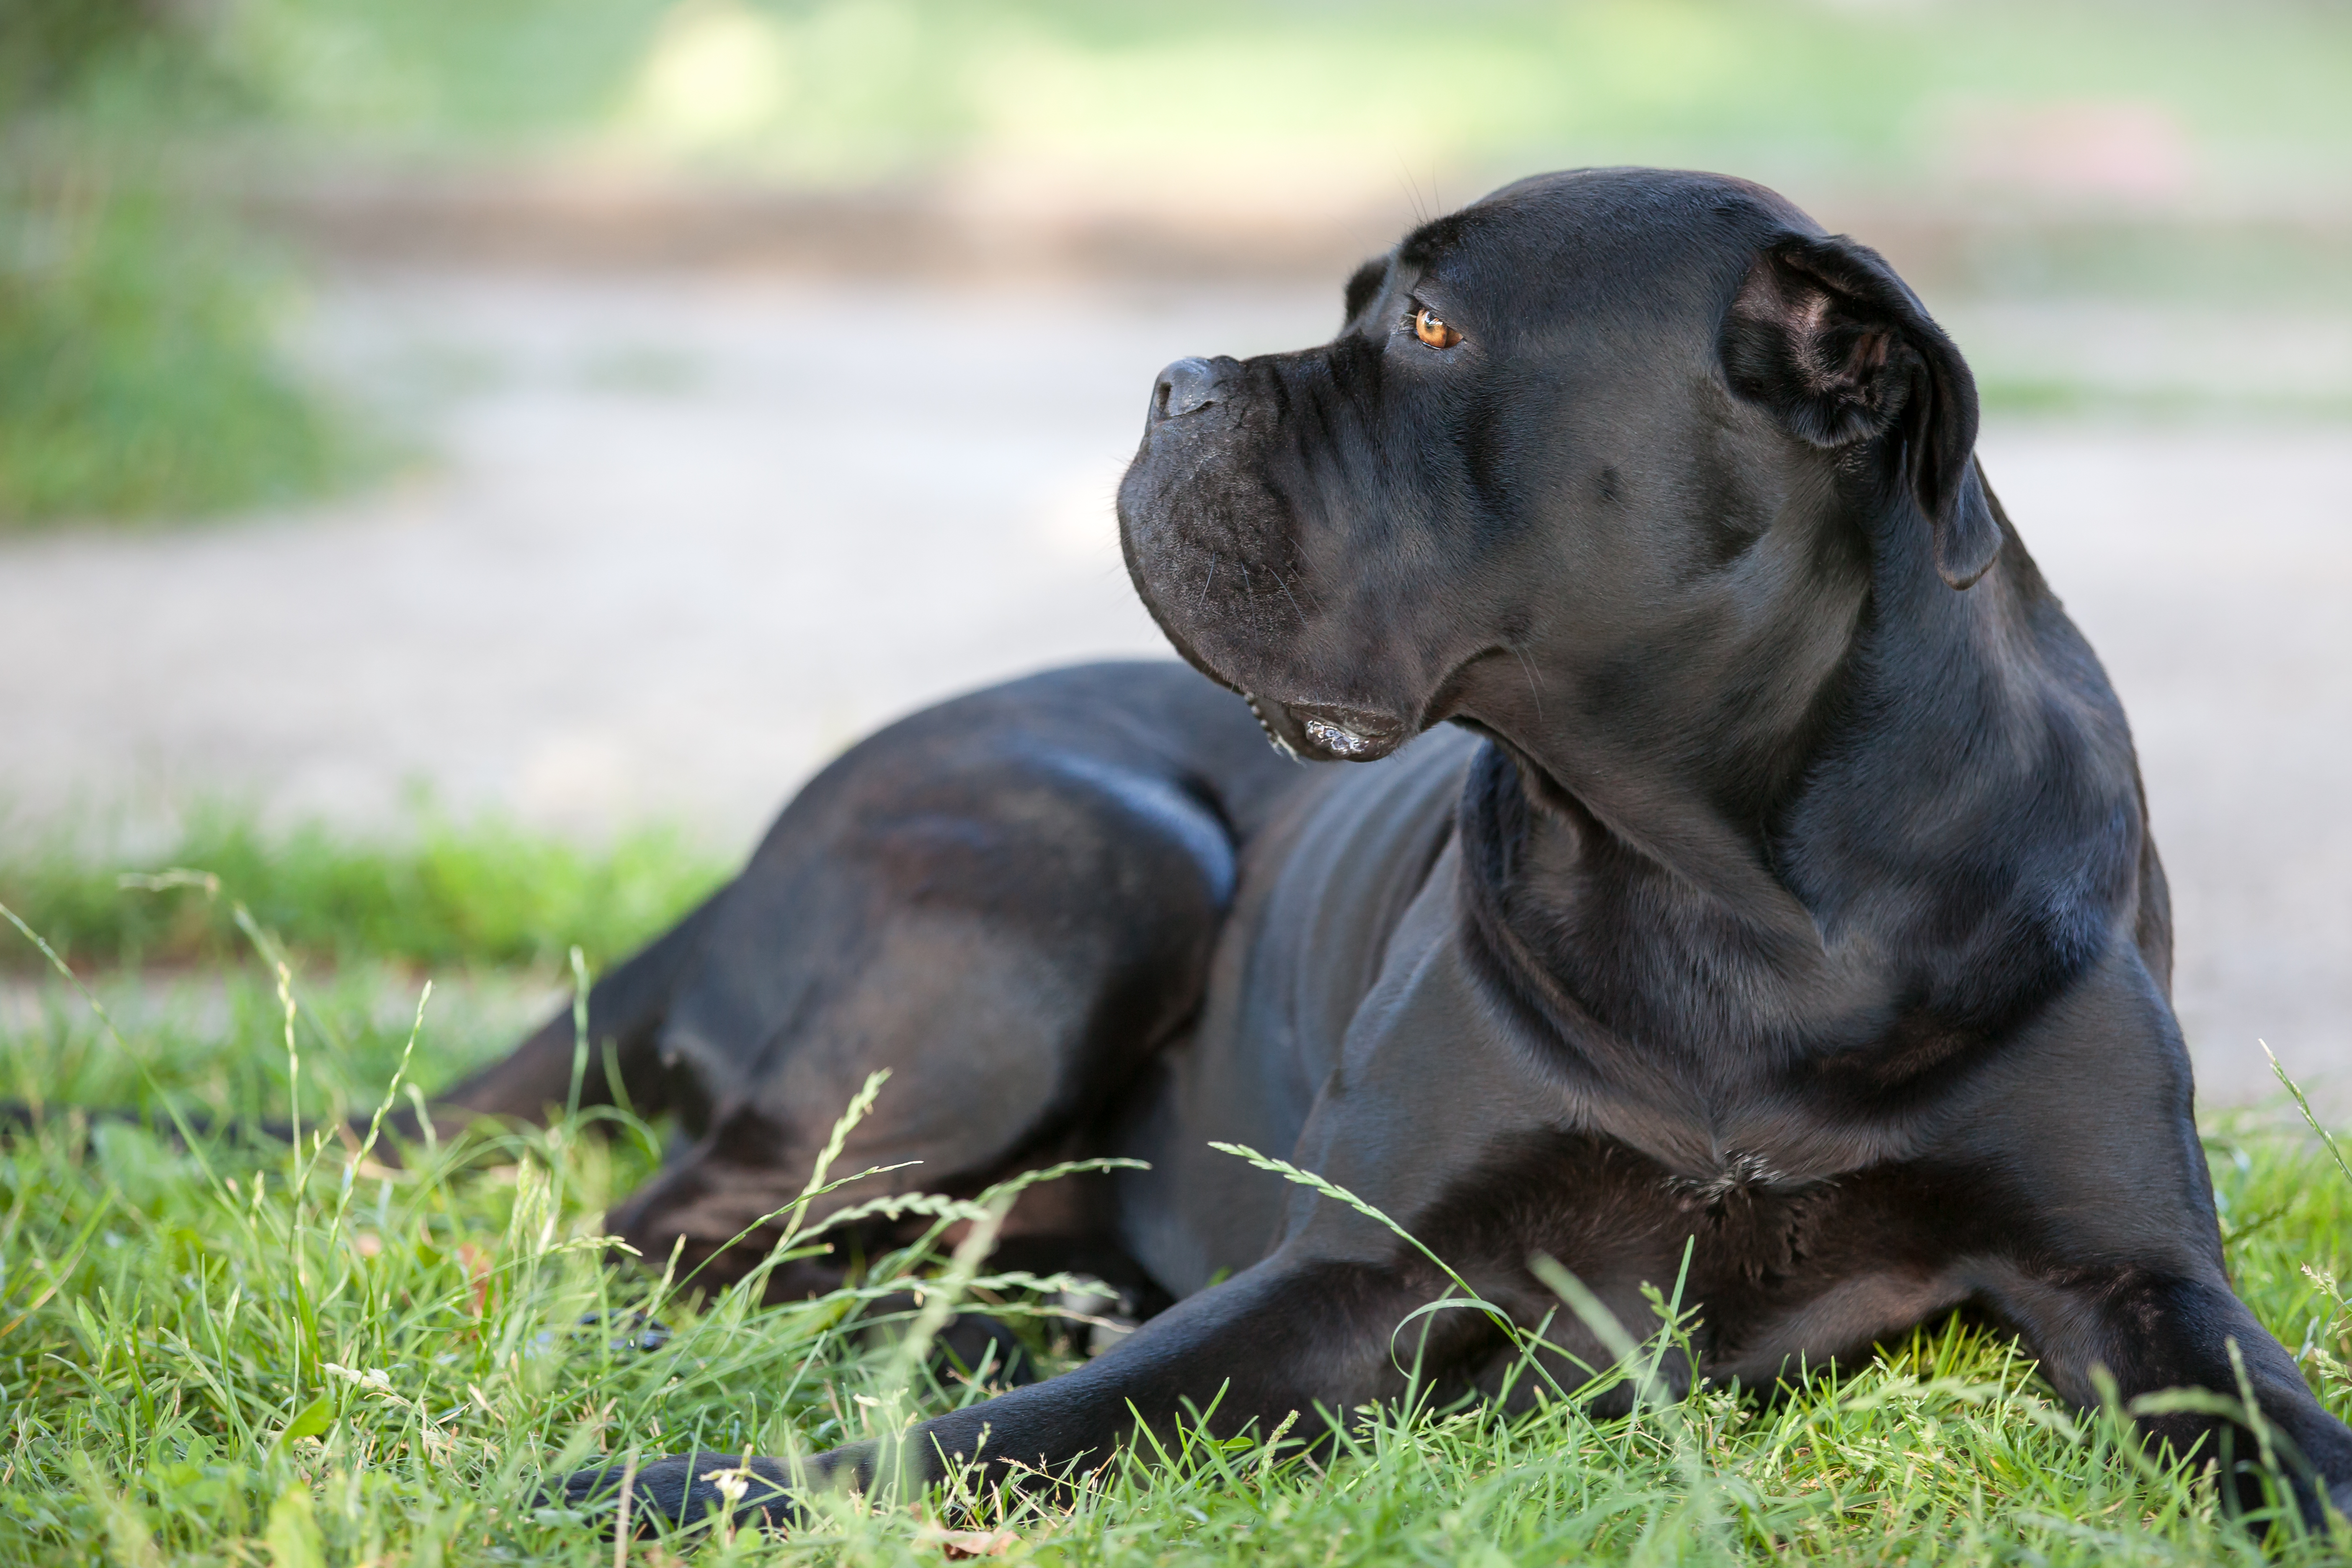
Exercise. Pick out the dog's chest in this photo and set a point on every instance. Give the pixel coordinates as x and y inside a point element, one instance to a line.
<point>1773,1268</point>
<point>1722,1131</point>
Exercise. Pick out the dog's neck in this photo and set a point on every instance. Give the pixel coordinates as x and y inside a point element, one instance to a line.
<point>1751,830</point>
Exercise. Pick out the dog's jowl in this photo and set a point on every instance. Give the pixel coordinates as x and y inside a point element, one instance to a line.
<point>1713,839</point>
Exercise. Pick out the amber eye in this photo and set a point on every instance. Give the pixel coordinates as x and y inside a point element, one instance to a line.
<point>1431,330</point>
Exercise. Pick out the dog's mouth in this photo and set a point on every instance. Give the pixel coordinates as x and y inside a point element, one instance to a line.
<point>1349,735</point>
<point>1325,732</point>
<point>1309,732</point>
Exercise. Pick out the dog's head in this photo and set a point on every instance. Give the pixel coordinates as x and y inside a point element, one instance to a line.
<point>1552,433</point>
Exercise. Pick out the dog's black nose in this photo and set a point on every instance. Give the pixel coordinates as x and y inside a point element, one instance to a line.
<point>1184,387</point>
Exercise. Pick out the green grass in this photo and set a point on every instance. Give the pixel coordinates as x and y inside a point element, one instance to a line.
<point>446,892</point>
<point>172,1321</point>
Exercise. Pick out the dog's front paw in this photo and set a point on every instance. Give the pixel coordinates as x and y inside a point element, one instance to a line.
<point>688,1489</point>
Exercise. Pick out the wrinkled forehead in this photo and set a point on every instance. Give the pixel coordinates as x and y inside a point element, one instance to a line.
<point>1643,234</point>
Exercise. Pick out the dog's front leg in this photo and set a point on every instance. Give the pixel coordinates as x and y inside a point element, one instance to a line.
<point>1309,1336</point>
<point>2151,1330</point>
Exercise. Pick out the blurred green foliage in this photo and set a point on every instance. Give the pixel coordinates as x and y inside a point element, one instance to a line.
<point>447,893</point>
<point>2163,148</point>
<point>855,89</point>
<point>47,46</point>
<point>138,374</point>
<point>139,371</point>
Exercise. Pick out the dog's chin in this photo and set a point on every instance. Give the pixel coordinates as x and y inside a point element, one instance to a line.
<point>1313,731</point>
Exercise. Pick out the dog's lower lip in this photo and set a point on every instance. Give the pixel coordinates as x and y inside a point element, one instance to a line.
<point>1346,732</point>
<point>1338,739</point>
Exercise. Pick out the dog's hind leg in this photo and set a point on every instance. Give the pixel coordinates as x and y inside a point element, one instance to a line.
<point>1007,903</point>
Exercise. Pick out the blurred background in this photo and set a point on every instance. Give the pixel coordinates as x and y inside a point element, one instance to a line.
<point>586,417</point>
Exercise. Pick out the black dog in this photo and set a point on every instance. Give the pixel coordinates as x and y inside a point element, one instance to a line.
<point>1783,885</point>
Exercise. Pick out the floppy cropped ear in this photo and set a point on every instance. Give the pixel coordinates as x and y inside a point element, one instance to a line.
<point>1362,284</point>
<point>1825,336</point>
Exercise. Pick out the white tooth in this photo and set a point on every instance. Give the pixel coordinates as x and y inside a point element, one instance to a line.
<point>1336,738</point>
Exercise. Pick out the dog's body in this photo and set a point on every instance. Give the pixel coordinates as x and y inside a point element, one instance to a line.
<point>1784,891</point>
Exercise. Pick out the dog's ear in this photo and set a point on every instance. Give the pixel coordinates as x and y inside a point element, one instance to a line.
<point>1824,335</point>
<point>1362,284</point>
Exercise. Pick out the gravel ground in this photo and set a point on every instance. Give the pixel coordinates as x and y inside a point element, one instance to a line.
<point>685,539</point>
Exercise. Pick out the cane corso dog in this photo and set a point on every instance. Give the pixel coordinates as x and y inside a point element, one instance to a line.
<point>1691,822</point>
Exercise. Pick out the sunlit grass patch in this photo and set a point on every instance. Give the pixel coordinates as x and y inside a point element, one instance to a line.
<point>482,891</point>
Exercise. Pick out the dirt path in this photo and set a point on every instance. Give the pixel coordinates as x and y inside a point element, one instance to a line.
<point>688,538</point>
